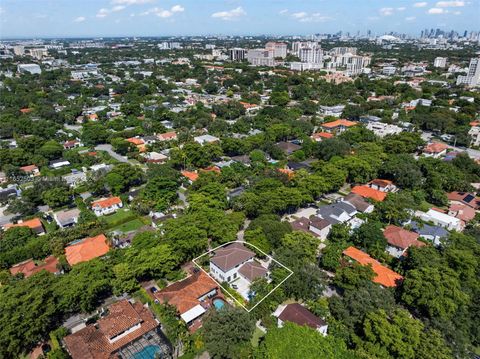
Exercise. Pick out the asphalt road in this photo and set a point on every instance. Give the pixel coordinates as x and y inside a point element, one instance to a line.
<point>108,148</point>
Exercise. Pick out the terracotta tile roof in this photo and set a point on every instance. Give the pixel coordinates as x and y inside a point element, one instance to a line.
<point>185,293</point>
<point>135,141</point>
<point>87,249</point>
<point>367,192</point>
<point>435,147</point>
<point>29,267</point>
<point>247,105</point>
<point>322,135</point>
<point>384,276</point>
<point>470,199</point>
<point>231,255</point>
<point>300,315</point>
<point>462,211</point>
<point>401,238</point>
<point>92,342</point>
<point>35,224</point>
<point>167,135</point>
<point>338,123</point>
<point>29,168</point>
<point>192,176</point>
<point>215,169</point>
<point>121,316</point>
<point>475,123</point>
<point>93,116</point>
<point>287,172</point>
<point>252,271</point>
<point>106,202</point>
<point>26,110</point>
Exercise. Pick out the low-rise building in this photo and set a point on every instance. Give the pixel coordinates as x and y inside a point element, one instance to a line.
<point>67,218</point>
<point>338,126</point>
<point>204,139</point>
<point>399,240</point>
<point>298,314</point>
<point>34,224</point>
<point>105,206</point>
<point>87,249</point>
<point>441,219</point>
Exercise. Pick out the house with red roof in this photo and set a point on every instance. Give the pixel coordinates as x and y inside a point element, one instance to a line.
<point>320,136</point>
<point>67,145</point>
<point>298,314</point>
<point>30,267</point>
<point>35,224</point>
<point>399,240</point>
<point>435,150</point>
<point>191,297</point>
<point>127,327</point>
<point>467,198</point>
<point>383,275</point>
<point>87,249</point>
<point>31,170</point>
<point>367,192</point>
<point>382,185</point>
<point>167,136</point>
<point>105,206</point>
<point>191,176</point>
<point>338,126</point>
<point>462,212</point>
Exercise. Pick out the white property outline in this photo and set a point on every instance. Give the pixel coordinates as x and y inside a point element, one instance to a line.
<point>235,299</point>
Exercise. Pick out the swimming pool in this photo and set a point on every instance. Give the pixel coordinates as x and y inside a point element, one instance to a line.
<point>218,303</point>
<point>147,353</point>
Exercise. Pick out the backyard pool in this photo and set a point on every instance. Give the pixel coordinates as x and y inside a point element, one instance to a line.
<point>147,353</point>
<point>218,303</point>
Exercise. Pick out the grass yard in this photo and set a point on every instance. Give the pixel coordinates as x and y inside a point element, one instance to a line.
<point>257,334</point>
<point>120,216</point>
<point>129,226</point>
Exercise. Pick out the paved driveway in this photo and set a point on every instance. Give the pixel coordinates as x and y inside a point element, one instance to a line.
<point>108,148</point>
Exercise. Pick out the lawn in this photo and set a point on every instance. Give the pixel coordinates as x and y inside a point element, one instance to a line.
<point>257,334</point>
<point>129,226</point>
<point>122,215</point>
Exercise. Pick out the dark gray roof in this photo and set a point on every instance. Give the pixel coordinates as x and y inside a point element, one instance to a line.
<point>429,230</point>
<point>336,209</point>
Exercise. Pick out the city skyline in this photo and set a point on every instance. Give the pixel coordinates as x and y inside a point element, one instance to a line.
<point>68,18</point>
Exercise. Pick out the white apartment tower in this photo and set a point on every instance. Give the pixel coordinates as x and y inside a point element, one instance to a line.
<point>440,62</point>
<point>279,49</point>
<point>237,54</point>
<point>472,78</point>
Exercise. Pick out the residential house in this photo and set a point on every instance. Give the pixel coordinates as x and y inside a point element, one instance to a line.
<point>30,267</point>
<point>383,275</point>
<point>58,164</point>
<point>399,240</point>
<point>154,157</point>
<point>149,140</point>
<point>462,212</point>
<point>34,224</point>
<point>105,206</point>
<point>167,136</point>
<point>469,199</point>
<point>204,139</point>
<point>87,249</point>
<point>67,218</point>
<point>371,193</point>
<point>298,314</point>
<point>11,191</point>
<point>359,203</point>
<point>340,211</point>
<point>68,145</point>
<point>338,126</point>
<point>227,260</point>
<point>435,150</point>
<point>434,234</point>
<point>382,185</point>
<point>30,170</point>
<point>74,178</point>
<point>127,328</point>
<point>319,227</point>
<point>381,129</point>
<point>441,219</point>
<point>288,147</point>
<point>190,176</point>
<point>320,136</point>
<point>191,296</point>
<point>137,142</point>
<point>243,159</point>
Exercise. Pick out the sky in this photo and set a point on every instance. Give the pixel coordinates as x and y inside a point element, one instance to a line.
<point>95,18</point>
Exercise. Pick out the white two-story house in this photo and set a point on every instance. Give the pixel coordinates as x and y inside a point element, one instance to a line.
<point>227,261</point>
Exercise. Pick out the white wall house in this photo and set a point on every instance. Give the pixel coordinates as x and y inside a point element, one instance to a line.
<point>441,219</point>
<point>106,206</point>
<point>226,262</point>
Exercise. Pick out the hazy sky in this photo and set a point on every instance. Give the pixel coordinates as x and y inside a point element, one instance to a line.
<point>36,18</point>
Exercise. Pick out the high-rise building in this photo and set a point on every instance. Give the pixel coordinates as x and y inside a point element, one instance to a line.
<point>440,62</point>
<point>237,54</point>
<point>19,50</point>
<point>261,57</point>
<point>472,78</point>
<point>279,48</point>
